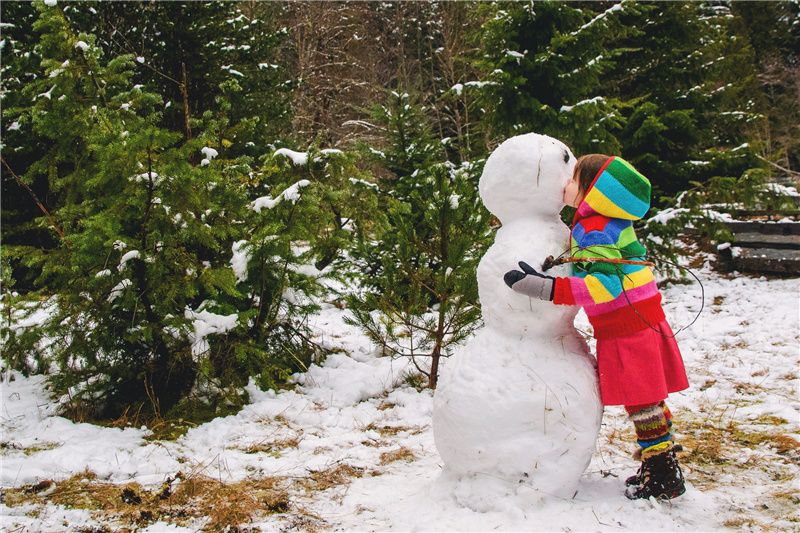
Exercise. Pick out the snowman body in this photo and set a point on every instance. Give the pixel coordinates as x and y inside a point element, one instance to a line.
<point>518,410</point>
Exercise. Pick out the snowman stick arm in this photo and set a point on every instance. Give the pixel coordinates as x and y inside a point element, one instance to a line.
<point>550,262</point>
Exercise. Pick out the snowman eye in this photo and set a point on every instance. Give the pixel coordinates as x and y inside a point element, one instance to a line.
<point>566,156</point>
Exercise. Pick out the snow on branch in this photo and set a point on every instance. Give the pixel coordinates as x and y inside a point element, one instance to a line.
<point>210,154</point>
<point>207,323</point>
<point>458,88</point>
<point>596,100</point>
<point>298,158</point>
<point>601,16</point>
<point>363,123</point>
<point>301,158</point>
<point>291,194</point>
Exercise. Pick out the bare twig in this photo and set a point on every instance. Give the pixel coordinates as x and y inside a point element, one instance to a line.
<point>788,171</point>
<point>36,199</point>
<point>550,262</point>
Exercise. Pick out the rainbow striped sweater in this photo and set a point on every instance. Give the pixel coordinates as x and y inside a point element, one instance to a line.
<point>619,299</point>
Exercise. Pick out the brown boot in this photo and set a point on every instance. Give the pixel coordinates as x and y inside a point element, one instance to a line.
<point>660,476</point>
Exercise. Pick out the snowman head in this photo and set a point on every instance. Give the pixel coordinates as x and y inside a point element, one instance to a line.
<point>525,177</point>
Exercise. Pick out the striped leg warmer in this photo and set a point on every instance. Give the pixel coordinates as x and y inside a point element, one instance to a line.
<point>667,415</point>
<point>653,424</point>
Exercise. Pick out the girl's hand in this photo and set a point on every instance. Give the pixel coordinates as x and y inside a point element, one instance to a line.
<point>530,282</point>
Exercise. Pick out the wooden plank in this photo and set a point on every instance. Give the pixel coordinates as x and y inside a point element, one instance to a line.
<point>766,228</point>
<point>766,260</point>
<point>745,213</point>
<point>760,240</point>
<point>763,247</point>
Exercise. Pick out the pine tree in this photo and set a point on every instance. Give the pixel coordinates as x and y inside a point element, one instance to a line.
<point>129,213</point>
<point>543,67</point>
<point>147,238</point>
<point>21,146</point>
<point>421,271</point>
<point>304,212</point>
<point>190,52</point>
<point>696,106</point>
<point>230,73</point>
<point>773,31</point>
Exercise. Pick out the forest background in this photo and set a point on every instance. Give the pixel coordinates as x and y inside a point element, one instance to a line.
<point>184,182</point>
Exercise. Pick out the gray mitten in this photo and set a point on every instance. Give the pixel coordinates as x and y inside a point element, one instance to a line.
<point>530,282</point>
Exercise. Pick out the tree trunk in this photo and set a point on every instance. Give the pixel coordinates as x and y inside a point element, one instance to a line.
<point>187,129</point>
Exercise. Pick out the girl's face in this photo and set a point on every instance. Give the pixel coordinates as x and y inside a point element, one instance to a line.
<point>572,196</point>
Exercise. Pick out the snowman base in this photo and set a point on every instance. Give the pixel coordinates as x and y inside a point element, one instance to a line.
<point>539,415</point>
<point>484,493</point>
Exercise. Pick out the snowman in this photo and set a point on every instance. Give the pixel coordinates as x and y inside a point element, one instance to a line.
<point>516,416</point>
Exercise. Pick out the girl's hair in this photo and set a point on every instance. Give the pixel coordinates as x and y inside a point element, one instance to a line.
<point>588,166</point>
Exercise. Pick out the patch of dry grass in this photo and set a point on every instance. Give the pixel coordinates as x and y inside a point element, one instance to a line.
<point>185,499</point>
<point>401,454</point>
<point>743,523</point>
<point>272,447</point>
<point>391,431</point>
<point>189,500</point>
<point>29,450</point>
<point>340,474</point>
<point>711,442</point>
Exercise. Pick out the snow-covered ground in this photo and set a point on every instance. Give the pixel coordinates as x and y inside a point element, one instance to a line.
<point>354,416</point>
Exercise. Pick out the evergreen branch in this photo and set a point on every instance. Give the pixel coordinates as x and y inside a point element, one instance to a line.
<point>133,51</point>
<point>412,273</point>
<point>100,92</point>
<point>289,328</point>
<point>36,199</point>
<point>406,321</point>
<point>290,352</point>
<point>276,301</point>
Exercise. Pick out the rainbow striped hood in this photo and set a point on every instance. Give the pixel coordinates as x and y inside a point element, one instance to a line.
<point>603,228</point>
<point>618,191</point>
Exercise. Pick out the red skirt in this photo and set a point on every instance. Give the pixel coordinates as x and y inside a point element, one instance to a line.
<point>641,367</point>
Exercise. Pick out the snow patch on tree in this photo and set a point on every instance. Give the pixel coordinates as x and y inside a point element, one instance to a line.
<point>133,254</point>
<point>117,290</point>
<point>239,260</point>
<point>207,323</point>
<point>210,154</point>
<point>297,158</point>
<point>291,194</point>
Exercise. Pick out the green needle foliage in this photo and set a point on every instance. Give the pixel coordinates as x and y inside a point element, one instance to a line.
<point>143,273</point>
<point>421,269</point>
<point>545,63</point>
<point>132,210</point>
<point>304,210</point>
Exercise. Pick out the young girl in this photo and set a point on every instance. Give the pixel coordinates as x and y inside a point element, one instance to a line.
<point>637,357</point>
